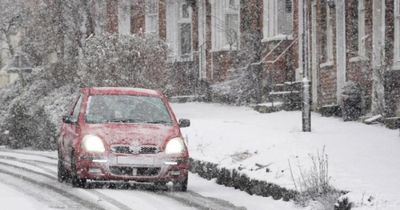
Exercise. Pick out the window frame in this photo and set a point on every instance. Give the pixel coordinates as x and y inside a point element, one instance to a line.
<point>272,20</point>
<point>329,56</point>
<point>181,21</point>
<point>152,15</point>
<point>175,19</point>
<point>396,46</point>
<point>361,29</point>
<point>232,11</point>
<point>221,9</point>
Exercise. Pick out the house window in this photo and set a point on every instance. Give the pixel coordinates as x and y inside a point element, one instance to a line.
<point>327,34</point>
<point>278,19</point>
<point>232,25</point>
<point>226,25</point>
<point>358,36</point>
<point>179,30</point>
<point>288,6</point>
<point>397,34</point>
<point>361,29</point>
<point>185,31</point>
<point>151,20</point>
<point>185,11</point>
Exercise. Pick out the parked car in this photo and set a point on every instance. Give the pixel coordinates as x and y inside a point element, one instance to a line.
<point>123,134</point>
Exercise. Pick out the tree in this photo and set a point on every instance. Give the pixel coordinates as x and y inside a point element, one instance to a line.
<point>11,15</point>
<point>124,60</point>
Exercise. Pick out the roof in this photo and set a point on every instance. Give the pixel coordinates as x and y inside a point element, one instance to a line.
<point>122,91</point>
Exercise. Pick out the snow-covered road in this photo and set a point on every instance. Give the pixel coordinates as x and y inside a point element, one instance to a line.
<point>28,180</point>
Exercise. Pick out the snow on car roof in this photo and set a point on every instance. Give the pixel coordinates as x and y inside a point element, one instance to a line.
<point>123,90</point>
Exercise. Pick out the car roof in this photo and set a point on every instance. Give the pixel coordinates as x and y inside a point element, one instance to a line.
<point>121,91</point>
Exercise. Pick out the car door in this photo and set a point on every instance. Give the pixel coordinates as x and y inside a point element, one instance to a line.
<point>71,131</point>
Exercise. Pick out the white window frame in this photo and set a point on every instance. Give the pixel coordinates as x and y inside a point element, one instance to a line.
<point>124,17</point>
<point>396,50</point>
<point>362,36</point>
<point>233,10</point>
<point>273,19</point>
<point>329,35</point>
<point>174,20</point>
<point>220,10</point>
<point>185,20</point>
<point>151,16</point>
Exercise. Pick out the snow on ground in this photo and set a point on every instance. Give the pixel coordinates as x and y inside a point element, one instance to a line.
<point>13,199</point>
<point>364,159</point>
<point>236,197</point>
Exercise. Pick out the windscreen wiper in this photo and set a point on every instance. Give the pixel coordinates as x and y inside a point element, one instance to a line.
<point>123,120</point>
<point>158,122</point>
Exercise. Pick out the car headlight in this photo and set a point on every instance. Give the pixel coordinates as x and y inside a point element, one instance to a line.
<point>175,146</point>
<point>92,143</point>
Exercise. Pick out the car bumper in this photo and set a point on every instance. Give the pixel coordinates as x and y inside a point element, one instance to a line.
<point>140,168</point>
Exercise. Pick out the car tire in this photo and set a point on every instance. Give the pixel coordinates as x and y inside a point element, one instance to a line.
<point>62,173</point>
<point>180,186</point>
<point>160,186</point>
<point>75,180</point>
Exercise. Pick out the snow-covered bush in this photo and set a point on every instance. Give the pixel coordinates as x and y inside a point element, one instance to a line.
<point>31,116</point>
<point>351,105</point>
<point>343,203</point>
<point>240,89</point>
<point>124,60</point>
<point>313,184</point>
<point>18,127</point>
<point>27,124</point>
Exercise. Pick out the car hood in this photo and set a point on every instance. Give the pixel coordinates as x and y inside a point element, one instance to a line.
<point>132,134</point>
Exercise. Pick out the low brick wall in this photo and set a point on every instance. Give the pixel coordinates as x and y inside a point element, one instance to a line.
<point>233,178</point>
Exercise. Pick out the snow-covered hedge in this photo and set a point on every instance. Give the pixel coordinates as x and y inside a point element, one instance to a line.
<point>233,178</point>
<point>124,60</point>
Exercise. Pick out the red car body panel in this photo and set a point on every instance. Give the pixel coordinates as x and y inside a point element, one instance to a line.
<point>100,166</point>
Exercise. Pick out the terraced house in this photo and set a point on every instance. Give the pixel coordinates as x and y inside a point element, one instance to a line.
<point>356,41</point>
<point>217,41</point>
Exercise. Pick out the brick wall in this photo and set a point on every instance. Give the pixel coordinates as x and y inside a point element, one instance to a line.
<point>359,70</point>
<point>138,17</point>
<point>327,73</point>
<point>392,77</point>
<point>112,16</point>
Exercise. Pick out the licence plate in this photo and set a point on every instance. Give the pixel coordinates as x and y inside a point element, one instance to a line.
<point>135,160</point>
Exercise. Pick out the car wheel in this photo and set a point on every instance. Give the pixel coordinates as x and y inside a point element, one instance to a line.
<point>180,185</point>
<point>160,186</point>
<point>75,180</point>
<point>62,173</point>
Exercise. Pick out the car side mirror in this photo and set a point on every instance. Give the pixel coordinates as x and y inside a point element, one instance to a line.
<point>67,119</point>
<point>184,123</point>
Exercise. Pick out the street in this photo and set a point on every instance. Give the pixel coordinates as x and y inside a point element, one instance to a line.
<point>29,181</point>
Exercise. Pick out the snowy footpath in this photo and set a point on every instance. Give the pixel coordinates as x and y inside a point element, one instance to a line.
<point>363,159</point>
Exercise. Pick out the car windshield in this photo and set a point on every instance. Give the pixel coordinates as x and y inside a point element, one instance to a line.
<point>126,109</point>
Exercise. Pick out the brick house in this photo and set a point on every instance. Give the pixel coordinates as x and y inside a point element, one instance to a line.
<point>210,39</point>
<point>353,41</point>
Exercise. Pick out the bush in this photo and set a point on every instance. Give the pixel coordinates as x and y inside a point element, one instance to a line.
<point>18,126</point>
<point>45,133</point>
<point>124,60</point>
<point>313,184</point>
<point>21,129</point>
<point>351,105</point>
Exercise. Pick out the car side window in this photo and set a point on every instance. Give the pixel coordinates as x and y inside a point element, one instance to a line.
<point>75,114</point>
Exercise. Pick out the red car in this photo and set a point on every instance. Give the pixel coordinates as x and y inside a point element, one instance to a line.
<point>123,134</point>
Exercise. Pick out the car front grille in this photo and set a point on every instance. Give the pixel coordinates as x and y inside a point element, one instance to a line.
<point>124,149</point>
<point>133,171</point>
